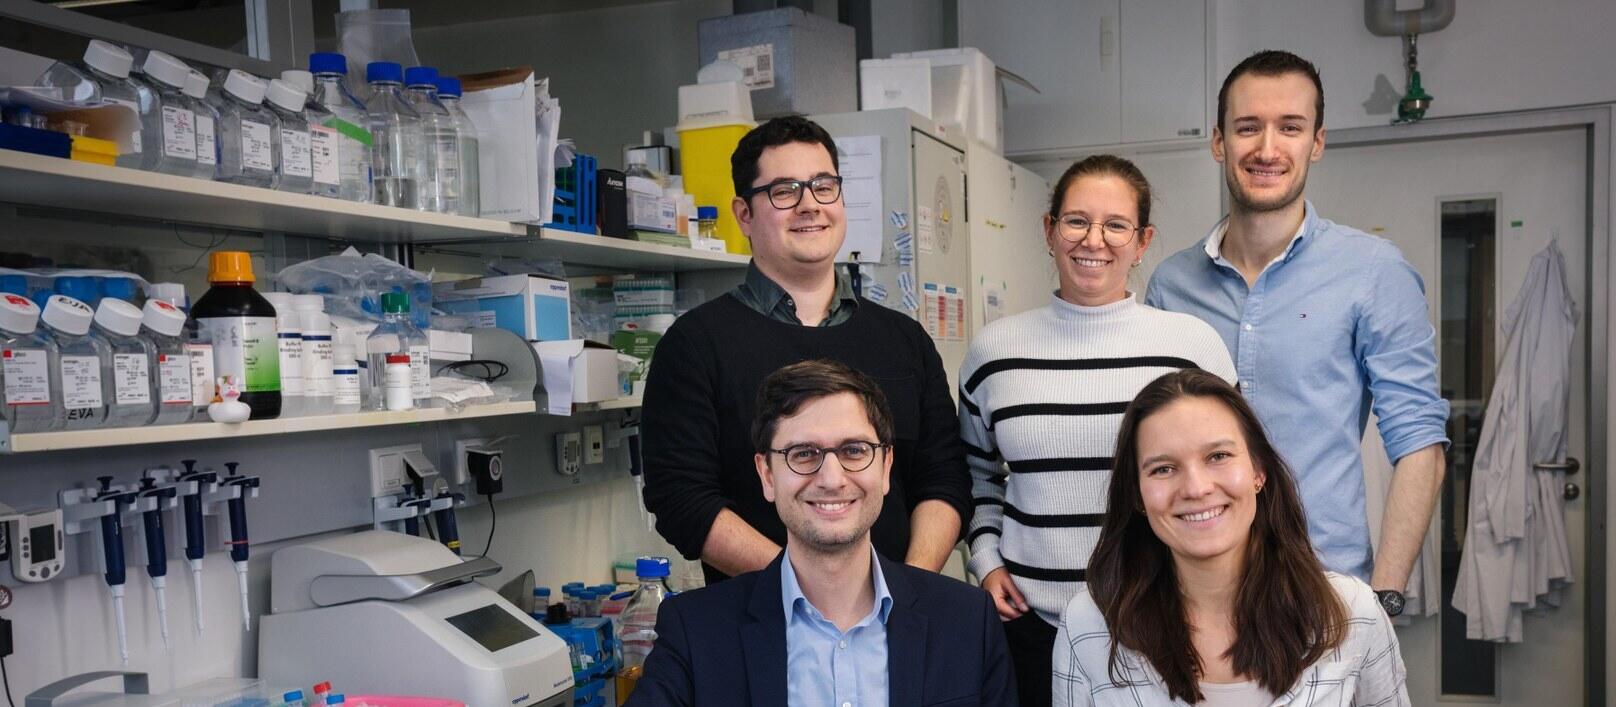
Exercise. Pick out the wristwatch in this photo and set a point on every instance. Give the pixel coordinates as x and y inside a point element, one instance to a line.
<point>1391,600</point>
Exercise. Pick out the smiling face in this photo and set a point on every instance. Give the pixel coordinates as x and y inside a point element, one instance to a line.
<point>1197,479</point>
<point>1092,272</point>
<point>807,235</point>
<point>1268,139</point>
<point>833,509</point>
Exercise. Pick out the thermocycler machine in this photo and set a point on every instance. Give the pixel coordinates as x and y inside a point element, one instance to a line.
<point>388,613</point>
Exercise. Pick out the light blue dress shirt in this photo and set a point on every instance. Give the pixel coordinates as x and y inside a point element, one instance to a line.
<point>828,668</point>
<point>1335,326</point>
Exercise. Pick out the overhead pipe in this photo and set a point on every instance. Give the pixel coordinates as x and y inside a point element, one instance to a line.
<point>1384,19</point>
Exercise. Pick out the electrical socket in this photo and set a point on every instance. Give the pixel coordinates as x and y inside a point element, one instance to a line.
<point>594,445</point>
<point>460,475</point>
<point>569,453</point>
<point>387,475</point>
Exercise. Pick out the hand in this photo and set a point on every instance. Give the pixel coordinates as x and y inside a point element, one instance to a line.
<point>1006,596</point>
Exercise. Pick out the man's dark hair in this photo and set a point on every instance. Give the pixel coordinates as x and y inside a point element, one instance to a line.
<point>786,390</point>
<point>1274,62</point>
<point>743,163</point>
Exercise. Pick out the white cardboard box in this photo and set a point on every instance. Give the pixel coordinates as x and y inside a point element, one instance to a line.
<point>532,307</point>
<point>578,371</point>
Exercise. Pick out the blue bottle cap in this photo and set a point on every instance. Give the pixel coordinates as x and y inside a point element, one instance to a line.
<point>705,212</point>
<point>651,567</point>
<point>587,594</point>
<point>328,63</point>
<point>82,289</point>
<point>337,698</point>
<point>383,71</point>
<point>293,696</point>
<point>449,86</point>
<point>541,591</point>
<point>122,288</point>
<point>40,297</point>
<point>574,586</point>
<point>420,76</point>
<point>14,284</point>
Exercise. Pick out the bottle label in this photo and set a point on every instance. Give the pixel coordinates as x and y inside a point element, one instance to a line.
<point>27,376</point>
<point>291,353</point>
<point>347,385</point>
<point>201,356</point>
<point>174,379</point>
<point>131,379</point>
<point>349,130</point>
<point>81,384</point>
<point>206,147</point>
<point>317,365</point>
<point>246,348</point>
<point>256,149</point>
<point>179,133</point>
<point>295,153</point>
<point>134,138</point>
<point>323,143</point>
<point>420,372</point>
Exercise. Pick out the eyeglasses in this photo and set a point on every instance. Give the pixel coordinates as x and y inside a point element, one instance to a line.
<point>806,459</point>
<point>1116,232</point>
<point>786,194</point>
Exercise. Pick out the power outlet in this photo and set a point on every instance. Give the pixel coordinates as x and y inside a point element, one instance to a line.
<point>594,445</point>
<point>387,475</point>
<point>569,453</point>
<point>459,474</point>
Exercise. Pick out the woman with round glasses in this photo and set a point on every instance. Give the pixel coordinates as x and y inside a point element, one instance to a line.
<point>1042,394</point>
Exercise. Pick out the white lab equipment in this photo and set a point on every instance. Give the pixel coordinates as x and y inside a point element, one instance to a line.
<point>378,611</point>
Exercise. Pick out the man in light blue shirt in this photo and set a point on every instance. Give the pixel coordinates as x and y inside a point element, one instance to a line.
<point>1324,322</point>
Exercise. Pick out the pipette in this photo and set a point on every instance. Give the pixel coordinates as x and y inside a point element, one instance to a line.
<point>448,529</point>
<point>238,534</point>
<point>195,533</point>
<point>157,547</point>
<point>112,551</point>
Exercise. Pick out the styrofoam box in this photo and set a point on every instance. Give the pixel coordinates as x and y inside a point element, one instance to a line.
<point>965,92</point>
<point>895,83</point>
<point>800,63</point>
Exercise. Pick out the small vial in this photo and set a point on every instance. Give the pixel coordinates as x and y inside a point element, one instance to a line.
<point>347,391</point>
<point>398,382</point>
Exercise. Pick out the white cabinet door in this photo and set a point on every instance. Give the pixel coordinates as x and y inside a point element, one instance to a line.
<point>1163,60</point>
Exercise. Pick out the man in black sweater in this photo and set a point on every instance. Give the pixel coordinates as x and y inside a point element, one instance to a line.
<point>700,395</point>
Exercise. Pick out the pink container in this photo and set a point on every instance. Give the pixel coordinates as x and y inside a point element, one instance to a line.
<point>400,701</point>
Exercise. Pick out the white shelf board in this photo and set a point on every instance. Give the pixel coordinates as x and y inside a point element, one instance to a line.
<point>618,404</point>
<point>602,252</point>
<point>37,180</point>
<point>127,436</point>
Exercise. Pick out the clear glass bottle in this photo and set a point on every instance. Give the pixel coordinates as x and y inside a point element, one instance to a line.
<point>28,401</point>
<point>468,173</point>
<point>207,121</point>
<point>289,339</point>
<point>163,325</point>
<point>247,142</point>
<point>347,388</point>
<point>396,138</point>
<point>318,362</point>
<point>172,121</point>
<point>636,634</point>
<point>440,180</point>
<point>345,115</point>
<point>324,141</point>
<point>396,335</point>
<point>295,169</point>
<point>126,380</point>
<point>78,371</point>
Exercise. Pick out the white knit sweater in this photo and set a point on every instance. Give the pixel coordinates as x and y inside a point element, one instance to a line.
<point>1043,392</point>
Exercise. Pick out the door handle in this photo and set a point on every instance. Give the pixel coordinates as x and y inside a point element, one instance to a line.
<point>1571,466</point>
<point>1572,491</point>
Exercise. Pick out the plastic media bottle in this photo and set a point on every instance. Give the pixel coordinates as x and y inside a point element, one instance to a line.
<point>172,121</point>
<point>78,371</point>
<point>241,325</point>
<point>440,180</point>
<point>295,168</point>
<point>395,129</point>
<point>324,141</point>
<point>344,114</point>
<point>207,120</point>
<point>637,632</point>
<point>289,342</point>
<point>318,383</point>
<point>28,401</point>
<point>468,172</point>
<point>126,377</point>
<point>395,335</point>
<point>197,346</point>
<point>347,391</point>
<point>106,69</point>
<point>247,142</point>
<point>397,385</point>
<point>164,328</point>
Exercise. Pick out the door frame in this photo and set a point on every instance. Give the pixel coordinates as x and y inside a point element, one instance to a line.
<point>1595,121</point>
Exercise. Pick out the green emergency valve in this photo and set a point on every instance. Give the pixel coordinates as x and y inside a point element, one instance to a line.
<point>1415,102</point>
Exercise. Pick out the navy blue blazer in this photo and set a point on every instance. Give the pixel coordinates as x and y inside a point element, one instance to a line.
<point>725,644</point>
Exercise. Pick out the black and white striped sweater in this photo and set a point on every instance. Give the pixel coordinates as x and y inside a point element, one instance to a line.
<point>1041,397</point>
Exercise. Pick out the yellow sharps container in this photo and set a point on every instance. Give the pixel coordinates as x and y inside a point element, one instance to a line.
<point>704,162</point>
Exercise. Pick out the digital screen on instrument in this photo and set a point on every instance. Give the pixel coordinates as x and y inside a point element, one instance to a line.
<point>492,627</point>
<point>42,543</point>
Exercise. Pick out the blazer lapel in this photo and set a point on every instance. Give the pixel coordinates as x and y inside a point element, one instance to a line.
<point>763,640</point>
<point>906,638</point>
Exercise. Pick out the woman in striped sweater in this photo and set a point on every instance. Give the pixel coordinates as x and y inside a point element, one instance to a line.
<point>1042,394</point>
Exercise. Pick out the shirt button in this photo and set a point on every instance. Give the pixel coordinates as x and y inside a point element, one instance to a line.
<point>841,644</point>
<point>1248,327</point>
<point>847,704</point>
<point>1245,385</point>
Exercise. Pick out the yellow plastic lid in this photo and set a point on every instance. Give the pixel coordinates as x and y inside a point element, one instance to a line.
<point>230,266</point>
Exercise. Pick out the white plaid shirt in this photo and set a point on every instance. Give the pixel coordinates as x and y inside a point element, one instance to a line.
<point>1365,671</point>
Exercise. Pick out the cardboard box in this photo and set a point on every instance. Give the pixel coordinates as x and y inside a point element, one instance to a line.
<point>591,367</point>
<point>613,194</point>
<point>517,127</point>
<point>449,345</point>
<point>532,307</point>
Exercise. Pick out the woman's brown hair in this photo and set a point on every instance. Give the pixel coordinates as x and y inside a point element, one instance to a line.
<point>1104,165</point>
<point>1286,615</point>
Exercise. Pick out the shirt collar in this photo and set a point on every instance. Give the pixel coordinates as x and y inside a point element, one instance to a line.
<point>1214,240</point>
<point>767,294</point>
<point>792,597</point>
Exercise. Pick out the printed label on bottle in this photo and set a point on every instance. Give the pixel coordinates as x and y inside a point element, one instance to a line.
<point>81,384</point>
<point>317,365</point>
<point>291,353</point>
<point>295,153</point>
<point>346,386</point>
<point>353,132</point>
<point>179,133</point>
<point>134,138</point>
<point>256,149</point>
<point>27,376</point>
<point>131,379</point>
<point>201,356</point>
<point>245,347</point>
<point>174,379</point>
<point>206,147</point>
<point>323,144</point>
<point>420,372</point>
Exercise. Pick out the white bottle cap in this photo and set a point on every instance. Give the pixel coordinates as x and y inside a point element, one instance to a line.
<point>245,86</point>
<point>287,96</point>
<point>118,317</point>
<point>196,85</point>
<point>308,303</point>
<point>67,315</point>
<point>300,79</point>
<point>18,314</point>
<point>282,302</point>
<point>170,292</point>
<point>162,67</point>
<point>109,58</point>
<point>162,317</point>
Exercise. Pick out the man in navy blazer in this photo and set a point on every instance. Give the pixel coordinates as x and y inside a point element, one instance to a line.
<point>830,621</point>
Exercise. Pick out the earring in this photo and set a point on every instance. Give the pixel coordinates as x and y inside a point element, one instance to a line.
<point>1051,252</point>
<point>1137,262</point>
<point>1259,488</point>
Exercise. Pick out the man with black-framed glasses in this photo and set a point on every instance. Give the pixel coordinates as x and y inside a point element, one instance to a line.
<point>830,620</point>
<point>792,306</point>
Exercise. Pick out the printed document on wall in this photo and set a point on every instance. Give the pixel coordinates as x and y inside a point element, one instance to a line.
<point>860,159</point>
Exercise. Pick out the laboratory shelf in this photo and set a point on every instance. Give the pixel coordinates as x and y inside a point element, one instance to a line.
<point>37,180</point>
<point>604,253</point>
<point>618,404</point>
<point>128,436</point>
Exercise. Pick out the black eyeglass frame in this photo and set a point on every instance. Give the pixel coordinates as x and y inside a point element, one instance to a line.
<point>827,451</point>
<point>803,187</point>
